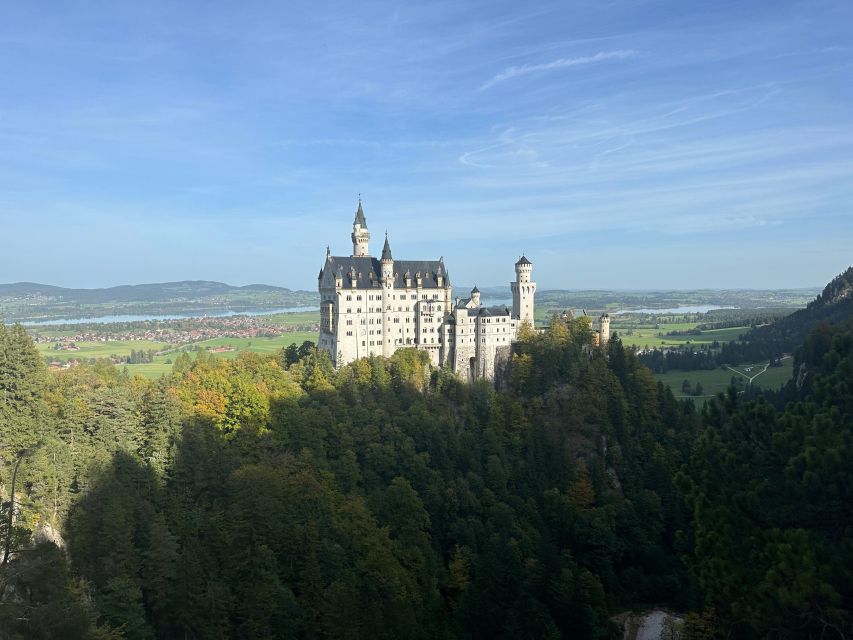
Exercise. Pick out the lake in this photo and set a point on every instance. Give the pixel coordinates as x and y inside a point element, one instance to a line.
<point>697,308</point>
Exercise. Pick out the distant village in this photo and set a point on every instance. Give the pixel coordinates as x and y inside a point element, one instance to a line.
<point>177,332</point>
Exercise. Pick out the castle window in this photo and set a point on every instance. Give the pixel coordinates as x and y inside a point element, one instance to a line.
<point>358,297</point>
<point>349,333</point>
<point>349,297</point>
<point>349,309</point>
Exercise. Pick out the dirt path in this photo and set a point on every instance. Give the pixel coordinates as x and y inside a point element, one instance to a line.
<point>749,380</point>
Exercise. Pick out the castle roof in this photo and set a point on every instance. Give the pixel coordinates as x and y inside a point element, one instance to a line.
<point>483,312</point>
<point>386,250</point>
<point>359,216</point>
<point>523,260</point>
<point>366,272</point>
<point>475,289</point>
<point>498,310</point>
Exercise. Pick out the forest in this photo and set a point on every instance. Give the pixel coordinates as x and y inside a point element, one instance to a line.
<point>275,497</point>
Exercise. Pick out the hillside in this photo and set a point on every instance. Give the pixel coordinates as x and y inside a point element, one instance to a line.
<point>833,305</point>
<point>33,301</point>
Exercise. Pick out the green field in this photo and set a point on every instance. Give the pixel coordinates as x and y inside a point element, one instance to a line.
<point>257,345</point>
<point>646,337</point>
<point>101,349</point>
<point>160,365</point>
<point>716,380</point>
<point>293,319</point>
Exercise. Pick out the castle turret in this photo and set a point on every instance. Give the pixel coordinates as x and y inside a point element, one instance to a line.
<point>523,291</point>
<point>387,264</point>
<point>604,328</point>
<point>360,234</point>
<point>475,296</point>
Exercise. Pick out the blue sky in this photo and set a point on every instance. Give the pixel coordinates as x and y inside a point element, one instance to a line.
<point>619,144</point>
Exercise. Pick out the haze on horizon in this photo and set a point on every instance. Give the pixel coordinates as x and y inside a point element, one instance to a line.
<point>626,145</point>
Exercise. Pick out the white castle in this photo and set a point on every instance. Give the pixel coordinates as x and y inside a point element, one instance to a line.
<point>372,306</point>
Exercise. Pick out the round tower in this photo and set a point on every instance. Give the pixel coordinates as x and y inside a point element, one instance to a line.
<point>604,328</point>
<point>360,235</point>
<point>475,296</point>
<point>523,291</point>
<point>387,263</point>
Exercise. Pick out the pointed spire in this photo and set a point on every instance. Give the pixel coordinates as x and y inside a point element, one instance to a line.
<point>475,289</point>
<point>328,252</point>
<point>359,215</point>
<point>386,250</point>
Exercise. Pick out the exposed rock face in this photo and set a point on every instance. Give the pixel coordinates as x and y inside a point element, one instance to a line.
<point>656,624</point>
<point>46,533</point>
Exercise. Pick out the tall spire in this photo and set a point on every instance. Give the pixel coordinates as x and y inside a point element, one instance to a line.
<point>360,235</point>
<point>386,250</point>
<point>359,215</point>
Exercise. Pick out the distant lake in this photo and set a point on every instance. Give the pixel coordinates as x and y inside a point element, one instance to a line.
<point>170,316</point>
<point>698,308</point>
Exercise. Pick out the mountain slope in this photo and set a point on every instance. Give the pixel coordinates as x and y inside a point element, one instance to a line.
<point>833,305</point>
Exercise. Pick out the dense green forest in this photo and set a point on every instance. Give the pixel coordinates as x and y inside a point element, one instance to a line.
<point>274,497</point>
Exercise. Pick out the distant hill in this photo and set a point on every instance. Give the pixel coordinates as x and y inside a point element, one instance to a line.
<point>668,298</point>
<point>832,306</point>
<point>154,292</point>
<point>34,301</point>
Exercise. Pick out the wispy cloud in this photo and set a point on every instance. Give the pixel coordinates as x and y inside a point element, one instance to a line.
<point>561,63</point>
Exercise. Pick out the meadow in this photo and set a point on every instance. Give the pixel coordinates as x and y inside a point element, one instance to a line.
<point>162,364</point>
<point>651,336</point>
<point>714,381</point>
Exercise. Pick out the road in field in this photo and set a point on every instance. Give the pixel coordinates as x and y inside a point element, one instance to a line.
<point>749,380</point>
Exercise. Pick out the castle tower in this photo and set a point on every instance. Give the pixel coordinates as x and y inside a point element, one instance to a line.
<point>386,276</point>
<point>523,291</point>
<point>387,264</point>
<point>475,296</point>
<point>360,234</point>
<point>604,328</point>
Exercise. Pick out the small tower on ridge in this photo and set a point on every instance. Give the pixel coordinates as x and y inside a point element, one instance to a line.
<point>523,291</point>
<point>360,234</point>
<point>604,328</point>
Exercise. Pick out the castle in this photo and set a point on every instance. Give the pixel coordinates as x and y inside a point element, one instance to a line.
<point>372,306</point>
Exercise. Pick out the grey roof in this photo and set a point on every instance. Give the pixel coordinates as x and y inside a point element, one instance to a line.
<point>386,250</point>
<point>366,271</point>
<point>498,310</point>
<point>475,289</point>
<point>359,217</point>
<point>523,260</point>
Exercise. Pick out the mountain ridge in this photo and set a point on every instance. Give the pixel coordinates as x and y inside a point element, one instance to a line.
<point>153,292</point>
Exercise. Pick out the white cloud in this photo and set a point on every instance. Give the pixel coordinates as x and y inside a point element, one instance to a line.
<point>561,63</point>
